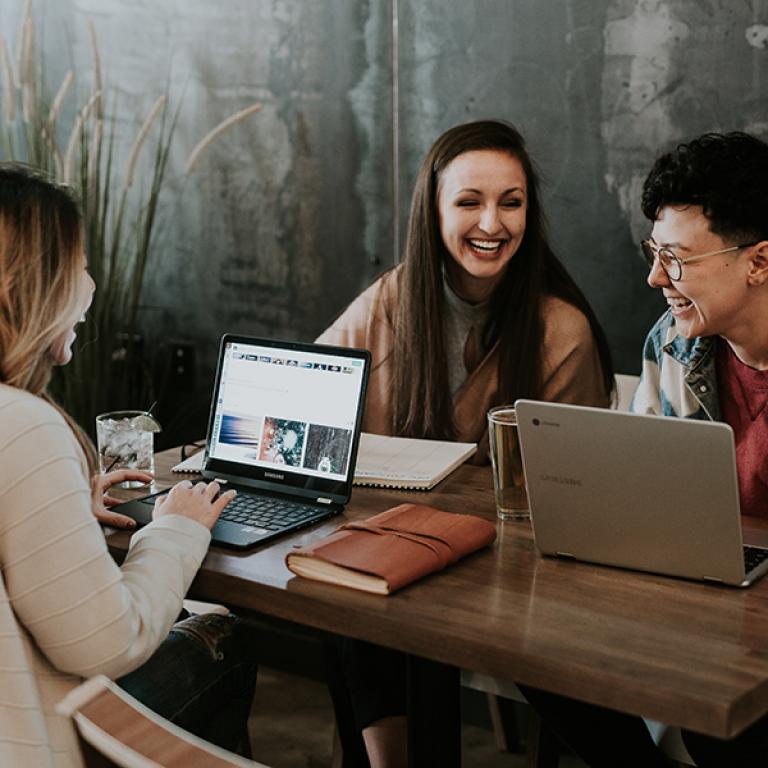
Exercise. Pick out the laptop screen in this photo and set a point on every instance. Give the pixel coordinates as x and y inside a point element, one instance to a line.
<point>287,413</point>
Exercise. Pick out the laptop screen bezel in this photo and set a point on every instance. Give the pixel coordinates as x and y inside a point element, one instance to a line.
<point>292,483</point>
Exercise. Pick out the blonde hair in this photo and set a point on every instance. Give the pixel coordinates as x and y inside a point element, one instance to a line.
<point>41,245</point>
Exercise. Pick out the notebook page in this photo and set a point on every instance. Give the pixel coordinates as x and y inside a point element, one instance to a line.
<point>404,462</point>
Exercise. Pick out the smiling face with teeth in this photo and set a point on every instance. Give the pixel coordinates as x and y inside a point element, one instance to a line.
<point>62,347</point>
<point>482,204</point>
<point>714,296</point>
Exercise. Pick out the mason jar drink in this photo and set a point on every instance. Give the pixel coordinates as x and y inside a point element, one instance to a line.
<point>126,440</point>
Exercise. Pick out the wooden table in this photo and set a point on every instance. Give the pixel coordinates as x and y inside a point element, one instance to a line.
<point>684,653</point>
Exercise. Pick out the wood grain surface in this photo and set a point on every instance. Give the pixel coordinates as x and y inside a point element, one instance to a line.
<point>685,653</point>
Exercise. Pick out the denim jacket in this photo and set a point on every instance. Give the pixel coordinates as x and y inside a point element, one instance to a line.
<point>679,376</point>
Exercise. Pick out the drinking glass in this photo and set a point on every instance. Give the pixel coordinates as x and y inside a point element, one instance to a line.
<point>508,477</point>
<point>124,442</point>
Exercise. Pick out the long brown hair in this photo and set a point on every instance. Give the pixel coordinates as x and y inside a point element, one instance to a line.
<point>41,246</point>
<point>422,399</point>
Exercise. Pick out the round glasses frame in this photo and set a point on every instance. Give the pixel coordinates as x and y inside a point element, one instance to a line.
<point>673,264</point>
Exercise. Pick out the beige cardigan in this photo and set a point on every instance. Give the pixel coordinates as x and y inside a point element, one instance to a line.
<point>572,372</point>
<point>66,610</point>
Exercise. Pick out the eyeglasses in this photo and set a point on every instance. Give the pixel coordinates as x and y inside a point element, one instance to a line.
<point>672,264</point>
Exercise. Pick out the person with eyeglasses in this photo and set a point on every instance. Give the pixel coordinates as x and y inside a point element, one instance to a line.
<point>705,358</point>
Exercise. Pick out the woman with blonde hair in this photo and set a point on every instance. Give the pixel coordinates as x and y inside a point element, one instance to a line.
<point>67,611</point>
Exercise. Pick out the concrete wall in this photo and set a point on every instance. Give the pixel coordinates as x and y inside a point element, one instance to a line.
<point>291,214</point>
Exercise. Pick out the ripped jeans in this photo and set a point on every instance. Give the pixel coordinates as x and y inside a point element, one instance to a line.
<point>202,678</point>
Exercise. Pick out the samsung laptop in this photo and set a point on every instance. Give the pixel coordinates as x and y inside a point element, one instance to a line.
<point>283,432</point>
<point>651,493</point>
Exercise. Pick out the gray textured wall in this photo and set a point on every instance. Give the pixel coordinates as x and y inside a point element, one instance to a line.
<point>291,214</point>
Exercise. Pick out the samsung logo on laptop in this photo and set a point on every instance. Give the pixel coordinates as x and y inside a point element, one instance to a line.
<point>274,475</point>
<point>560,480</point>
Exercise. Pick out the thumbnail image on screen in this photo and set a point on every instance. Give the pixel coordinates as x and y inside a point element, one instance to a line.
<point>282,441</point>
<point>327,449</point>
<point>240,430</point>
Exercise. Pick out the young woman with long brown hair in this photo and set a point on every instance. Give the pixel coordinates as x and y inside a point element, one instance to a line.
<point>480,312</point>
<point>67,611</point>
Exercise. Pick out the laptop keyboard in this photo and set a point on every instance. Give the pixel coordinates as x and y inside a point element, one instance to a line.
<point>753,556</point>
<point>267,512</point>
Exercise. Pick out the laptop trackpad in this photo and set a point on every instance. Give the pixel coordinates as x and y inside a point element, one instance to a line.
<point>237,534</point>
<point>138,509</point>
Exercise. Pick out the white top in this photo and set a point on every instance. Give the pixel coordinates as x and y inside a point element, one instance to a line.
<point>67,611</point>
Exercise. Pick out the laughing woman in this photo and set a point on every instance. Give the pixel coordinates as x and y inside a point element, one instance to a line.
<point>479,313</point>
<point>67,611</point>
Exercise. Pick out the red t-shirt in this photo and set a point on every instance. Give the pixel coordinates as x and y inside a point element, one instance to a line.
<point>743,401</point>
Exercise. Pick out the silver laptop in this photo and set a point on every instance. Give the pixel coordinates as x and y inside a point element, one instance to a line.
<point>651,493</point>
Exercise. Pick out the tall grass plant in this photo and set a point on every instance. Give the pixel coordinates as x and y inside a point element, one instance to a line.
<point>120,202</point>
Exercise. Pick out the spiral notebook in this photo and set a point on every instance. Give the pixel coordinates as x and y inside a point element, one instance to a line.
<point>407,463</point>
<point>391,462</point>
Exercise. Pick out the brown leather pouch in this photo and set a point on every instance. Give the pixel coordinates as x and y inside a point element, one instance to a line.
<point>392,549</point>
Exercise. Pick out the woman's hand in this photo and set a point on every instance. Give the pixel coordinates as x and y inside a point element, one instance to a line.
<point>102,500</point>
<point>196,501</point>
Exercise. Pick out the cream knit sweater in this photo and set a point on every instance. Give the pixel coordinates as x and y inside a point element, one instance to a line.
<point>67,611</point>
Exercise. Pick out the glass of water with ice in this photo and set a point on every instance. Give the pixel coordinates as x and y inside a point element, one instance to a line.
<point>126,441</point>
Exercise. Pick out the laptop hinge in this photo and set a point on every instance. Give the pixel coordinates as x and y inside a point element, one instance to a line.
<point>712,578</point>
<point>324,501</point>
<point>565,554</point>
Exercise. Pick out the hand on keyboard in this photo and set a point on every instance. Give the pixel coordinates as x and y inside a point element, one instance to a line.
<point>201,502</point>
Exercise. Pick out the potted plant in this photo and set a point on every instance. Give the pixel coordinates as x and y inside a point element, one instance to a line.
<point>120,211</point>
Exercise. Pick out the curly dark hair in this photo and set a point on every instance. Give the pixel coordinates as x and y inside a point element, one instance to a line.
<point>725,173</point>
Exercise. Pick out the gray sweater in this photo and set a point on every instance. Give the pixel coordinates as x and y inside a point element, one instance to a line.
<point>461,317</point>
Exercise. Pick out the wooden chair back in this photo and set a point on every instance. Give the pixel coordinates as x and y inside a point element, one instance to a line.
<point>115,729</point>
